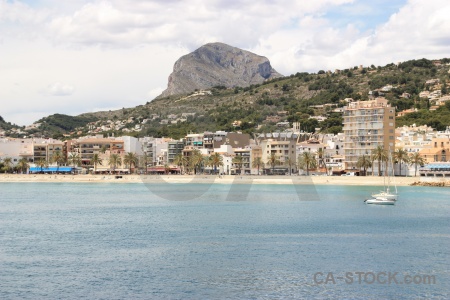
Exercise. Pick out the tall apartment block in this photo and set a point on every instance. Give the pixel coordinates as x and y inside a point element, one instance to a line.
<point>367,124</point>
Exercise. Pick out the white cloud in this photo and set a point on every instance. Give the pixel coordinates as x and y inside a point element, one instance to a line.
<point>153,93</point>
<point>59,89</point>
<point>119,53</point>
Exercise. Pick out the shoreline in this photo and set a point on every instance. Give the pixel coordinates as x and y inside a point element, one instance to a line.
<point>227,179</point>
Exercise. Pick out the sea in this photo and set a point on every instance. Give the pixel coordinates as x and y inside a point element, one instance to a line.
<point>221,241</point>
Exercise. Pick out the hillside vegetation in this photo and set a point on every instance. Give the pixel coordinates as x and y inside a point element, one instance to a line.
<point>7,126</point>
<point>294,98</point>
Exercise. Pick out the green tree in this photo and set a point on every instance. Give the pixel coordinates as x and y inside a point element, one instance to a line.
<point>206,161</point>
<point>379,154</point>
<point>401,156</point>
<point>306,161</point>
<point>7,164</point>
<point>58,158</point>
<point>216,160</point>
<point>42,163</point>
<point>143,162</point>
<point>258,163</point>
<point>23,165</point>
<point>273,161</point>
<point>131,160</point>
<point>364,162</point>
<point>196,160</point>
<point>180,161</point>
<point>74,159</point>
<point>114,161</point>
<point>290,162</point>
<point>417,160</point>
<point>320,158</point>
<point>103,149</point>
<point>166,169</point>
<point>238,160</point>
<point>96,160</point>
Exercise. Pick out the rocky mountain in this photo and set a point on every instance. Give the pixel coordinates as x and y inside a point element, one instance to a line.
<point>218,64</point>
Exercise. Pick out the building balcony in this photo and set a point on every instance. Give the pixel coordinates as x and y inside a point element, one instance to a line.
<point>25,154</point>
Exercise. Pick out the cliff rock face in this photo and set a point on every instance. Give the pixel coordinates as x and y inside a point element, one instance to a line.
<point>218,64</point>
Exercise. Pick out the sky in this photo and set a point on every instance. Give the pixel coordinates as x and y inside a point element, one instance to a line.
<point>77,56</point>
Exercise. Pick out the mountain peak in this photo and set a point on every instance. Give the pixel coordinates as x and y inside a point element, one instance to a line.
<point>218,64</point>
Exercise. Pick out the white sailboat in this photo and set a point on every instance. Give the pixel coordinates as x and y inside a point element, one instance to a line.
<point>386,196</point>
<point>380,201</point>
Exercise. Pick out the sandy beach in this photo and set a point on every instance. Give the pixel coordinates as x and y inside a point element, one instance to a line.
<point>230,179</point>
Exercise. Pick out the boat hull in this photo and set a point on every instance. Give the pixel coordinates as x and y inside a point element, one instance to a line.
<point>380,201</point>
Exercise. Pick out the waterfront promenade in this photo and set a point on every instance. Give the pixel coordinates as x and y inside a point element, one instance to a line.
<point>228,179</point>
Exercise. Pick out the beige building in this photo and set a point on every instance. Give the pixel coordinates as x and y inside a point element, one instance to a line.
<point>284,150</point>
<point>367,124</point>
<point>437,151</point>
<point>44,150</point>
<point>245,166</point>
<point>104,147</point>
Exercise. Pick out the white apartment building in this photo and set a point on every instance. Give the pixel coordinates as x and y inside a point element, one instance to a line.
<point>367,124</point>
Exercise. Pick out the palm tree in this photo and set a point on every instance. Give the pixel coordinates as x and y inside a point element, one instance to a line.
<point>96,160</point>
<point>379,154</point>
<point>238,160</point>
<point>290,162</point>
<point>257,163</point>
<point>206,162</point>
<point>195,160</point>
<point>180,161</point>
<point>400,155</point>
<point>7,162</point>
<point>166,169</point>
<point>216,160</point>
<point>42,163</point>
<point>130,159</point>
<point>143,162</point>
<point>114,160</point>
<point>306,161</point>
<point>416,159</point>
<point>364,162</point>
<point>103,149</point>
<point>273,161</point>
<point>320,158</point>
<point>23,165</point>
<point>58,158</point>
<point>74,159</point>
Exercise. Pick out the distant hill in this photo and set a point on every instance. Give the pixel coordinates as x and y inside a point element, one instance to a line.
<point>7,125</point>
<point>58,124</point>
<point>218,64</point>
<point>259,107</point>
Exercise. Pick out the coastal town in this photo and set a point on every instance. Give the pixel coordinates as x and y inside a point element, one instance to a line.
<point>369,136</point>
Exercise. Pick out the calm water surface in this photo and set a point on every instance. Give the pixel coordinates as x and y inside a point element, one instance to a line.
<point>123,241</point>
